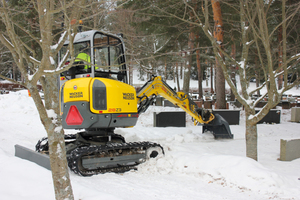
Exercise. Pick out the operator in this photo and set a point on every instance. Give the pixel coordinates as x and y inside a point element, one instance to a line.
<point>86,58</point>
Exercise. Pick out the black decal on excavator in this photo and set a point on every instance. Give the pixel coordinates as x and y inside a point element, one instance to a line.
<point>76,95</point>
<point>128,96</point>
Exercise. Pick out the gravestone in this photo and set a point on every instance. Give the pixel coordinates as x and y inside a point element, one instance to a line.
<point>165,119</point>
<point>273,116</point>
<point>289,149</point>
<point>231,116</point>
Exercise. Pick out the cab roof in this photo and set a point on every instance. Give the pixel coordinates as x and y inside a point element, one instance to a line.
<point>88,36</point>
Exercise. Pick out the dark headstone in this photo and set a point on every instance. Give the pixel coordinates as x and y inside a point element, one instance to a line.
<point>272,117</point>
<point>231,116</point>
<point>165,119</point>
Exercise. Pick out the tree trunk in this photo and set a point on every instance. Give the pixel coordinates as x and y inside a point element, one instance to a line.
<point>55,133</point>
<point>212,79</point>
<point>14,72</point>
<point>186,76</point>
<point>284,41</point>
<point>177,77</point>
<point>166,73</point>
<point>251,137</point>
<point>174,73</point>
<point>280,53</point>
<point>189,56</point>
<point>232,96</point>
<point>257,83</point>
<point>220,88</point>
<point>218,35</point>
<point>233,70</point>
<point>187,73</point>
<point>257,76</point>
<point>130,72</point>
<point>181,69</point>
<point>200,78</point>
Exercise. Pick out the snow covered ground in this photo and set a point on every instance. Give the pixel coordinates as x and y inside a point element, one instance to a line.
<point>195,165</point>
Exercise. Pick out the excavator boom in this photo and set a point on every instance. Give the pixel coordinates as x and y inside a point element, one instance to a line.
<point>156,86</point>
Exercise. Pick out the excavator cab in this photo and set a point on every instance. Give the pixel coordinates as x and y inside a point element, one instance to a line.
<point>97,54</point>
<point>98,80</point>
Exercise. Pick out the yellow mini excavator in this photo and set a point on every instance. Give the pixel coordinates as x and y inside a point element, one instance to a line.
<point>96,98</point>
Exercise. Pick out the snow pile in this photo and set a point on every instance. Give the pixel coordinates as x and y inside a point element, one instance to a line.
<point>228,171</point>
<point>195,165</point>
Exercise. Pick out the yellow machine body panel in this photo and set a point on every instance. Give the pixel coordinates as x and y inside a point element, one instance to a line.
<point>77,90</point>
<point>121,97</point>
<point>97,103</point>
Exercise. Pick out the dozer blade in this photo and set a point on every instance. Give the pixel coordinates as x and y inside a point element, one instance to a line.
<point>33,156</point>
<point>219,128</point>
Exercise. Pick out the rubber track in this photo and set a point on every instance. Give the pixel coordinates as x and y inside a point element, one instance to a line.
<point>39,147</point>
<point>75,156</point>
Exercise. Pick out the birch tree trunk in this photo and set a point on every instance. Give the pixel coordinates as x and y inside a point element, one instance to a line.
<point>251,136</point>
<point>55,134</point>
<point>40,66</point>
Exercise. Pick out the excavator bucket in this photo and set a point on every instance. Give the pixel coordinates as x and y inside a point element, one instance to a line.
<point>219,128</point>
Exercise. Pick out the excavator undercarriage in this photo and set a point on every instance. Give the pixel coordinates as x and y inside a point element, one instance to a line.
<point>89,155</point>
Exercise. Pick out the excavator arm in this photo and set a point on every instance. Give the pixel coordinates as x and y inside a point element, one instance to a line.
<point>156,86</point>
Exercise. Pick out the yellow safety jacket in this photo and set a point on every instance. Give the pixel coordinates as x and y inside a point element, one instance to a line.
<point>83,57</point>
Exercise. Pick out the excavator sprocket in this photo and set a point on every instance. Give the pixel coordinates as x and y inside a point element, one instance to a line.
<point>112,157</point>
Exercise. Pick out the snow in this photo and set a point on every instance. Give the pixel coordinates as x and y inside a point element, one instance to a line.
<point>34,59</point>
<point>52,60</point>
<point>195,165</point>
<point>7,41</point>
<point>295,55</point>
<point>61,64</point>
<point>54,47</point>
<point>242,64</point>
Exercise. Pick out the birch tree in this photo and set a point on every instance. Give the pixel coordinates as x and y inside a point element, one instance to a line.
<point>38,65</point>
<point>257,32</point>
